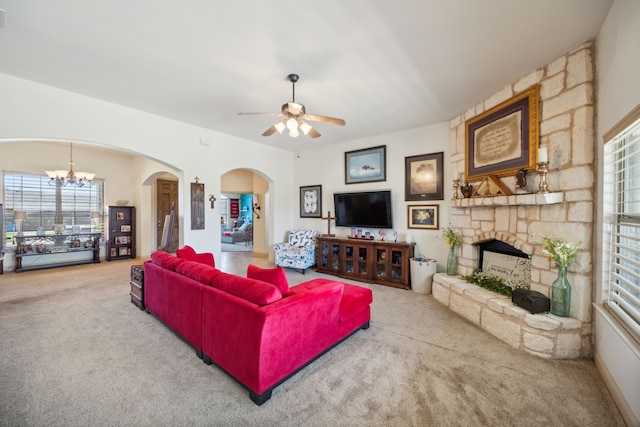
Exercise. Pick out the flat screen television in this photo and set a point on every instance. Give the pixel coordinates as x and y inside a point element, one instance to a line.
<point>363,209</point>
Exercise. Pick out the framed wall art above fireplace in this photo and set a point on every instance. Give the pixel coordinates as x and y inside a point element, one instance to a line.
<point>504,139</point>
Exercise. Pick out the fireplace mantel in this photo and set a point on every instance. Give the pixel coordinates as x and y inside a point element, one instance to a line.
<point>533,199</point>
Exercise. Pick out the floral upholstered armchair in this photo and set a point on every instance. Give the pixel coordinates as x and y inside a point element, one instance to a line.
<point>299,252</point>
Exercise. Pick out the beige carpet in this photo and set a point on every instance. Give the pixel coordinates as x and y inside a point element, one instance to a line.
<point>76,352</point>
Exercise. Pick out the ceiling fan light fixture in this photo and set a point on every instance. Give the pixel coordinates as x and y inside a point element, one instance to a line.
<point>295,108</point>
<point>280,127</point>
<point>305,128</point>
<point>292,124</point>
<point>295,115</point>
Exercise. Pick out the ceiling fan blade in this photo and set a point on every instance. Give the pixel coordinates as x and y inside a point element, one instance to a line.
<point>260,114</point>
<point>313,133</point>
<point>270,131</point>
<point>325,119</point>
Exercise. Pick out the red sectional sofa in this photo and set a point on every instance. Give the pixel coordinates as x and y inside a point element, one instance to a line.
<point>255,328</point>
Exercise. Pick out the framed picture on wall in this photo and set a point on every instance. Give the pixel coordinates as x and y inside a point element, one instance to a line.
<point>424,177</point>
<point>197,206</point>
<point>311,201</point>
<point>367,165</point>
<point>234,208</point>
<point>503,140</point>
<point>423,217</point>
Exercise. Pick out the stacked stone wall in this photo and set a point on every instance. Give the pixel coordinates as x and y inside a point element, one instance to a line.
<point>566,129</point>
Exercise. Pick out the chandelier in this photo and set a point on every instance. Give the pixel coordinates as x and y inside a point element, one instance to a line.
<point>69,177</point>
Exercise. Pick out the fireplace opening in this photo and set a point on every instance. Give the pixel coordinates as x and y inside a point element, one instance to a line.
<point>505,261</point>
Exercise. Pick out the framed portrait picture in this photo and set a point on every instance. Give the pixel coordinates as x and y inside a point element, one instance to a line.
<point>197,206</point>
<point>120,216</point>
<point>123,251</point>
<point>423,217</point>
<point>311,201</point>
<point>423,177</point>
<point>504,139</point>
<point>121,240</point>
<point>367,165</point>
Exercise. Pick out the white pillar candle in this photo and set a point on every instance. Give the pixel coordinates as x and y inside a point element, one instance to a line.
<point>543,155</point>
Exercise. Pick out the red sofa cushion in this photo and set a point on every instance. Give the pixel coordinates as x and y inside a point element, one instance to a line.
<point>197,271</point>
<point>189,254</point>
<point>255,291</point>
<point>275,276</point>
<point>166,260</point>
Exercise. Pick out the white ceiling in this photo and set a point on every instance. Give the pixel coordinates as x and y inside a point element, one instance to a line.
<point>382,65</point>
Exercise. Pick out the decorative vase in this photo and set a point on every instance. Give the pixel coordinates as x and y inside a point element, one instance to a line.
<point>452,262</point>
<point>561,294</point>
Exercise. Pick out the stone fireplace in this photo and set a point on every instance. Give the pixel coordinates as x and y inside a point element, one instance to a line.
<point>522,219</point>
<point>505,261</point>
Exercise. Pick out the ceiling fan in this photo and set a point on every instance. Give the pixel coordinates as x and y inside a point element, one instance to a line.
<point>294,117</point>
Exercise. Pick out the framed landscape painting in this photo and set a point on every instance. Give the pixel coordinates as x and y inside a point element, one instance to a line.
<point>423,217</point>
<point>424,177</point>
<point>367,165</point>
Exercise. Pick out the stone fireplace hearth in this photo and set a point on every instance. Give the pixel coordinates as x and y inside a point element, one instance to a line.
<point>544,335</point>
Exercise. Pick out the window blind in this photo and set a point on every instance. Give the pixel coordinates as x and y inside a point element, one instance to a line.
<point>622,225</point>
<point>35,195</point>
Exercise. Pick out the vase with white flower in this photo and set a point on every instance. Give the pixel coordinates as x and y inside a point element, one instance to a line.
<point>563,254</point>
<point>452,239</point>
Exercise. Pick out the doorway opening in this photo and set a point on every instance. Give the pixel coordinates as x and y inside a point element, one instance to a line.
<point>236,222</point>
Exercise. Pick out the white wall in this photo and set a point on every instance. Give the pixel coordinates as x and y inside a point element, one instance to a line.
<point>617,65</point>
<point>325,166</point>
<point>33,111</point>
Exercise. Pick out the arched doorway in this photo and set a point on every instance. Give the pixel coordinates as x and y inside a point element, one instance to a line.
<point>247,197</point>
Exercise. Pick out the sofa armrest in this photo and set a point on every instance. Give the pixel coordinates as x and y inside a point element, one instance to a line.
<point>282,246</point>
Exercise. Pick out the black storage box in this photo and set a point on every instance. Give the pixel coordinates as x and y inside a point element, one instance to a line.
<point>533,301</point>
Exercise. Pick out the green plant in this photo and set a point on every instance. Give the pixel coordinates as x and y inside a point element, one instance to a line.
<point>494,283</point>
<point>451,237</point>
<point>563,253</point>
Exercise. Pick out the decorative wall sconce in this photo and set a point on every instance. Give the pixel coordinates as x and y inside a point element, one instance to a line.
<point>212,199</point>
<point>256,206</point>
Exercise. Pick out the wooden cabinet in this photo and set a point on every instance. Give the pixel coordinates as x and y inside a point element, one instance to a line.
<point>137,286</point>
<point>370,261</point>
<point>121,232</point>
<point>69,249</point>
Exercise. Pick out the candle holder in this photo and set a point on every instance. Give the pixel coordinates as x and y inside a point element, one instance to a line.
<point>456,185</point>
<point>543,169</point>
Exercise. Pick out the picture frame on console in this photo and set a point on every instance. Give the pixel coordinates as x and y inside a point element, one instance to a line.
<point>366,165</point>
<point>504,139</point>
<point>311,201</point>
<point>425,217</point>
<point>423,177</point>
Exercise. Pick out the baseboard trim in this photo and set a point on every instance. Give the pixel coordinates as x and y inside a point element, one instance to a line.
<point>623,406</point>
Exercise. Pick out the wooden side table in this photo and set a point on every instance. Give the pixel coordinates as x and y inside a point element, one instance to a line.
<point>137,286</point>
